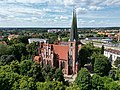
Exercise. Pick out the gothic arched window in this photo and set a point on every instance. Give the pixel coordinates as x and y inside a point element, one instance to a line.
<point>70,60</point>
<point>71,45</point>
<point>44,62</point>
<point>62,65</point>
<point>49,62</point>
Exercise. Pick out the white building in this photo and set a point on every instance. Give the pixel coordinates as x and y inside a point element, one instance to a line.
<point>112,54</point>
<point>100,39</point>
<point>31,40</point>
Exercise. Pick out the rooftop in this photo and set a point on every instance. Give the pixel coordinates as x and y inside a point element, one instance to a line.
<point>113,51</point>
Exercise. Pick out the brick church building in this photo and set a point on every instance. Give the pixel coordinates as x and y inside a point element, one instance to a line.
<point>62,55</point>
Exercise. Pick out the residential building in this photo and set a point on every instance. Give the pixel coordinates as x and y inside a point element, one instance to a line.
<point>12,36</point>
<point>31,40</point>
<point>112,54</point>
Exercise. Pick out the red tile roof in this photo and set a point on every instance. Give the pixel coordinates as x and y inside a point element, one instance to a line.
<point>61,51</point>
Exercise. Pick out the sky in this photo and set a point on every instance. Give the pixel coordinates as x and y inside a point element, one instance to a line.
<point>58,13</point>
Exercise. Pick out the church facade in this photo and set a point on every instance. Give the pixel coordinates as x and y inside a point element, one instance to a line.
<point>62,55</point>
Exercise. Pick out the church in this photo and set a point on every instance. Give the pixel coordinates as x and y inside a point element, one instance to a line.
<point>63,55</point>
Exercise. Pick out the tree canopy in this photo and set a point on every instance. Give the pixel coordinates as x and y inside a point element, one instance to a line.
<point>102,65</point>
<point>83,79</point>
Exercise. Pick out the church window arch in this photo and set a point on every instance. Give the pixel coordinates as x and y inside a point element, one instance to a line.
<point>62,64</point>
<point>44,62</point>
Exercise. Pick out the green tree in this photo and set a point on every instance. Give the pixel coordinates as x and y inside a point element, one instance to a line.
<point>65,39</point>
<point>48,72</point>
<point>3,49</point>
<point>83,79</point>
<point>102,65</point>
<point>118,74</point>
<point>73,87</point>
<point>107,81</point>
<point>15,85</point>
<point>32,48</point>
<point>35,73</point>
<point>117,62</point>
<point>110,84</point>
<point>15,66</point>
<point>18,50</point>
<point>86,52</point>
<point>59,75</point>
<point>112,74</point>
<point>13,41</point>
<point>93,56</point>
<point>114,86</point>
<point>97,83</point>
<point>25,67</point>
<point>27,83</point>
<point>7,80</point>
<point>52,37</point>
<point>83,55</point>
<point>23,39</point>
<point>6,59</point>
<point>41,86</point>
<point>55,85</point>
<point>5,68</point>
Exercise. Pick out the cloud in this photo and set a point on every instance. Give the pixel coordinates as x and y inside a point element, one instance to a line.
<point>12,11</point>
<point>25,1</point>
<point>57,12</point>
<point>69,2</point>
<point>111,2</point>
<point>47,10</point>
<point>95,8</point>
<point>64,17</point>
<point>92,21</point>
<point>81,10</point>
<point>81,21</point>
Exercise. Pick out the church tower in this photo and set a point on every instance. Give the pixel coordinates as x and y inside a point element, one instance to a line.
<point>73,32</point>
<point>73,46</point>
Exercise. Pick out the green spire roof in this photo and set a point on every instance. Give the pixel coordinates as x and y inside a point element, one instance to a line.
<point>73,32</point>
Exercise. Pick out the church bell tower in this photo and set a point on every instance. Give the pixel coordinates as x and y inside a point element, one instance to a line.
<point>73,46</point>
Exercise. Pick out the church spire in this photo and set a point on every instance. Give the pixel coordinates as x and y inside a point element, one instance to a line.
<point>73,32</point>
